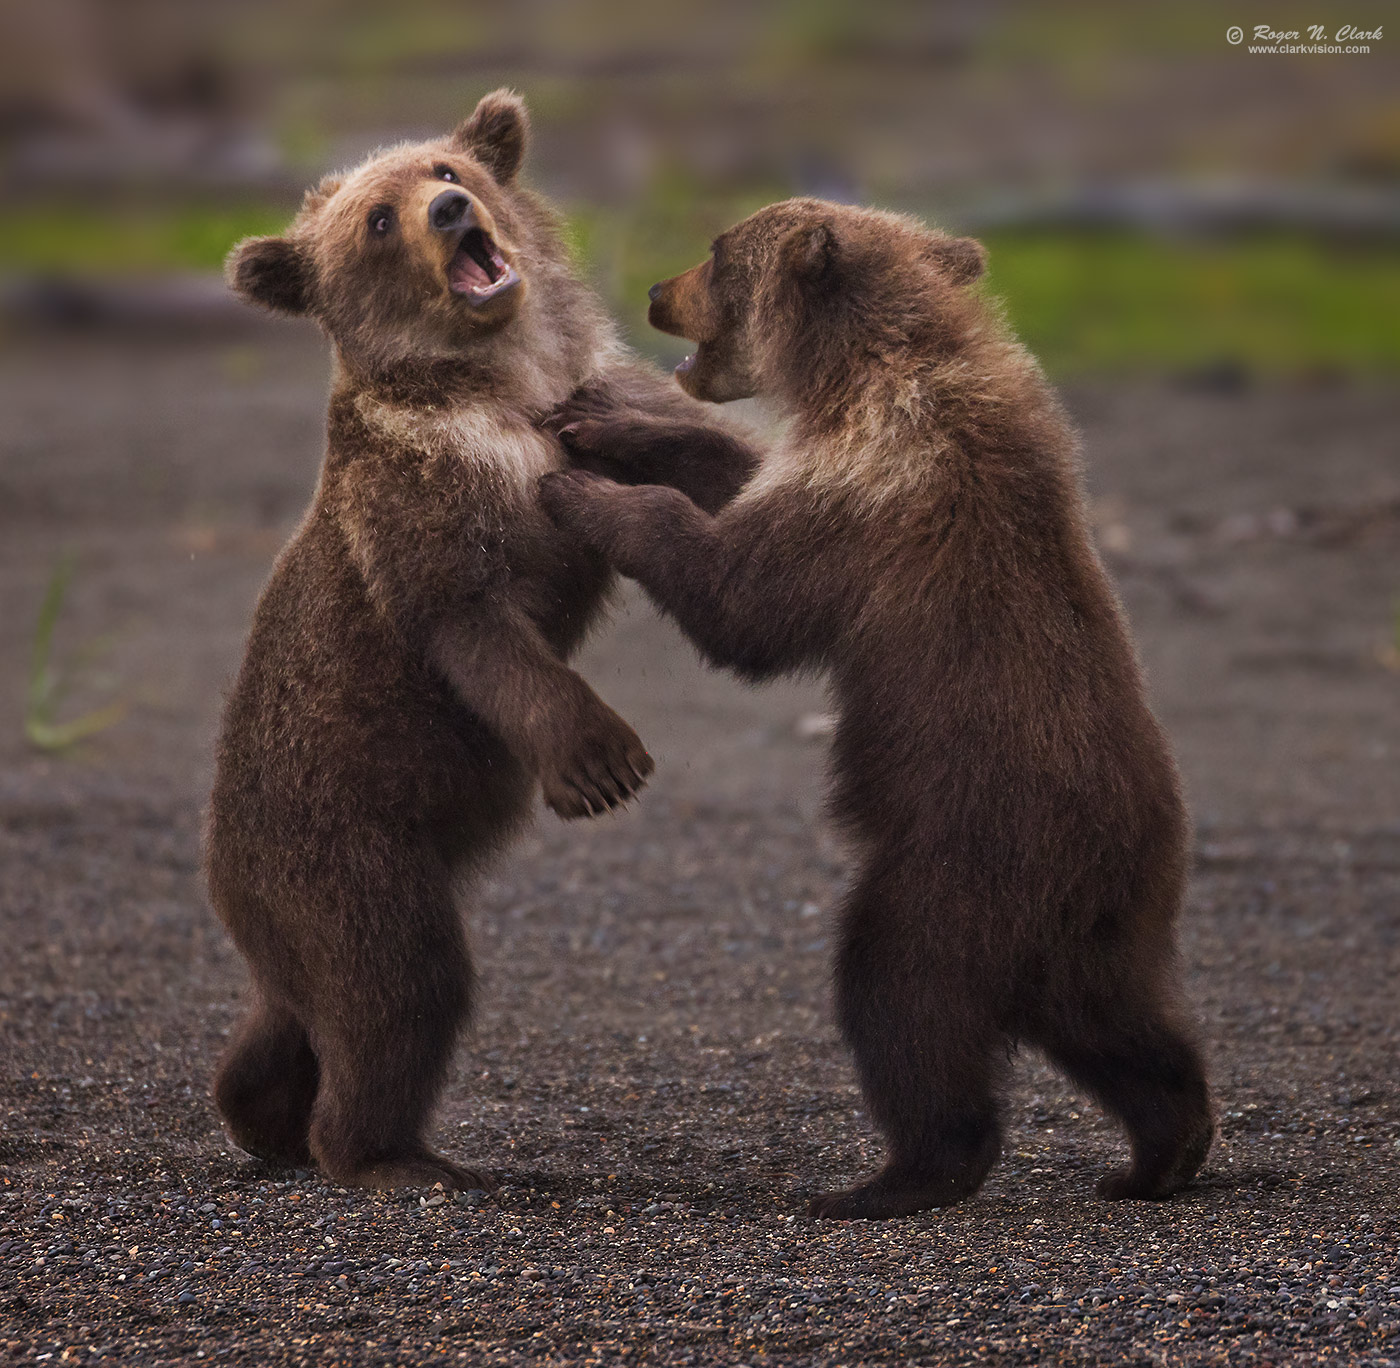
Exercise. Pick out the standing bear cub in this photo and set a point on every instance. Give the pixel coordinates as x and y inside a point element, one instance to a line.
<point>405,685</point>
<point>918,535</point>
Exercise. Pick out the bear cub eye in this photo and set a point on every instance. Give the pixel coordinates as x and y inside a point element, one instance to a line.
<point>380,221</point>
<point>445,173</point>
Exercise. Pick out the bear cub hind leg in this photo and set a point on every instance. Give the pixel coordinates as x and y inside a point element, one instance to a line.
<point>1147,1072</point>
<point>266,1087</point>
<point>383,1068</point>
<point>374,1104</point>
<point>929,1058</point>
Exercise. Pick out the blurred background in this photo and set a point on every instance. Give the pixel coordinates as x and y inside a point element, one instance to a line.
<point>1163,207</point>
<point>1156,198</point>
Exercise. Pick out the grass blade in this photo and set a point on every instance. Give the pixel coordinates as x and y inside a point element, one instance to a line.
<point>50,682</point>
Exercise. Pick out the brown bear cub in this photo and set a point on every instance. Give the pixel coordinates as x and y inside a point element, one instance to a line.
<point>918,534</point>
<point>405,686</point>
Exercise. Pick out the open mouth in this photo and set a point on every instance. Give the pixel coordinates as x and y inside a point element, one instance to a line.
<point>478,270</point>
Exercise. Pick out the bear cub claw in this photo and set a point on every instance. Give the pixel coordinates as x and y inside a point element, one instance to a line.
<point>606,765</point>
<point>604,436</point>
<point>615,434</point>
<point>585,404</point>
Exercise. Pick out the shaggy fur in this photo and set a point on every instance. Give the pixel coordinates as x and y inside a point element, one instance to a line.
<point>405,688</point>
<point>918,535</point>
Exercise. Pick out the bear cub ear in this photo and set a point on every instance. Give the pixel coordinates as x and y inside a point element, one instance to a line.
<point>962,260</point>
<point>271,271</point>
<point>496,134</point>
<point>810,253</point>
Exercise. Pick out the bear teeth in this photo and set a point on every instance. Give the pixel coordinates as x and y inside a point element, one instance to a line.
<point>478,268</point>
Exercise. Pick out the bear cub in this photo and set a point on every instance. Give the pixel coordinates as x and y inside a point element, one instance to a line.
<point>918,534</point>
<point>405,688</point>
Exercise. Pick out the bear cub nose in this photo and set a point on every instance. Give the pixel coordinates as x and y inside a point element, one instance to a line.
<point>655,290</point>
<point>450,209</point>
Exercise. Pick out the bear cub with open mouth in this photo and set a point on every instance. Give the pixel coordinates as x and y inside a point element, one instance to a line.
<point>405,688</point>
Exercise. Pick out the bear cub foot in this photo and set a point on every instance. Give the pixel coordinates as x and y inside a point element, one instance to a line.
<point>1154,1179</point>
<point>425,1170</point>
<point>271,1124</point>
<point>890,1194</point>
<point>280,1152</point>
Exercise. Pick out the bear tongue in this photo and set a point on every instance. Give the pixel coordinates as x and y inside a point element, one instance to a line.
<point>465,273</point>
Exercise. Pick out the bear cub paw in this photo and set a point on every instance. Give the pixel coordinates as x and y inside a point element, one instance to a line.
<point>424,1170</point>
<point>1156,1179</point>
<point>604,765</point>
<point>885,1197</point>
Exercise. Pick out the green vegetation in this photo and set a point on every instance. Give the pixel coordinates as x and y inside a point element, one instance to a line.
<point>1097,302</point>
<point>1123,302</point>
<point>50,682</point>
<point>51,239</point>
<point>1084,302</point>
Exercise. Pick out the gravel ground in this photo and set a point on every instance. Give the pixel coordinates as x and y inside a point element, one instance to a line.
<point>654,1077</point>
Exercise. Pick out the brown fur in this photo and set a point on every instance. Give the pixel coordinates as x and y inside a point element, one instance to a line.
<point>918,535</point>
<point>405,687</point>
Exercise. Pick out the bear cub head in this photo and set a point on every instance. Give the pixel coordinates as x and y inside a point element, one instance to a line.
<point>804,288</point>
<point>421,251</point>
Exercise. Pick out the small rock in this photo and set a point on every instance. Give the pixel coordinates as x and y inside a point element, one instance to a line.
<point>814,726</point>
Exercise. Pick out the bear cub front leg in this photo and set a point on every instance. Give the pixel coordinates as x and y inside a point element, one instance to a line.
<point>608,436</point>
<point>587,758</point>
